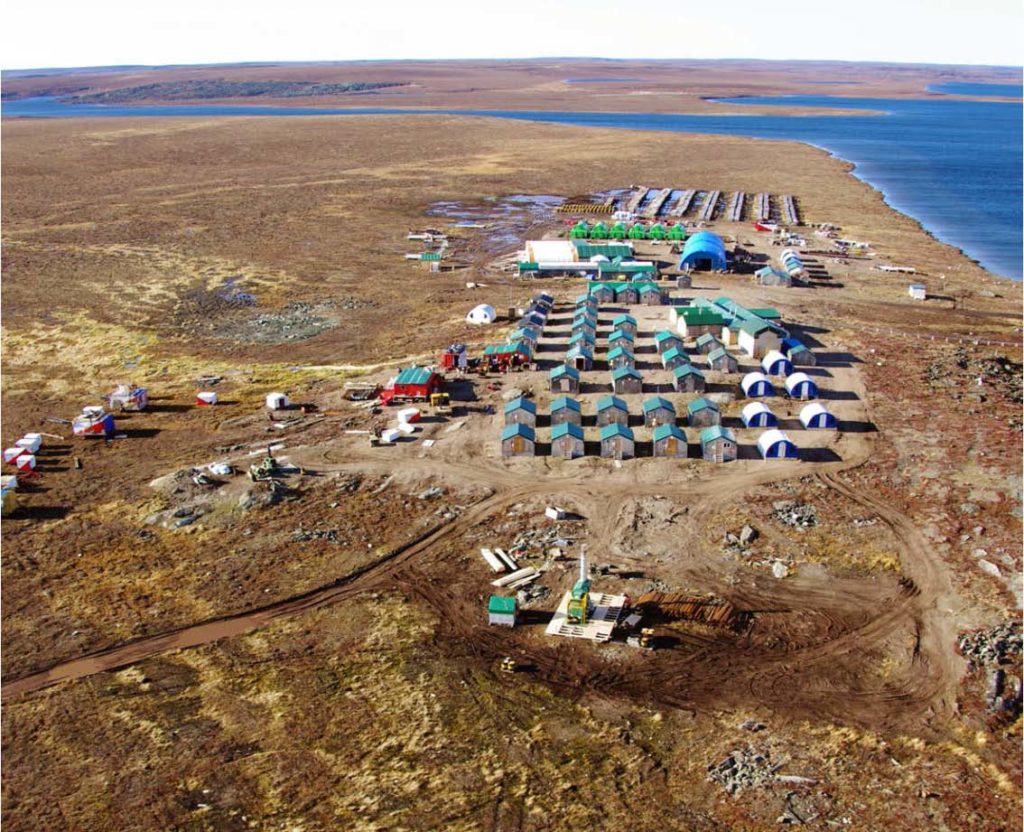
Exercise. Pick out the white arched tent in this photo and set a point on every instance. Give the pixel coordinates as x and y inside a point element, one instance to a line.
<point>814,416</point>
<point>755,385</point>
<point>776,364</point>
<point>757,415</point>
<point>482,314</point>
<point>774,444</point>
<point>801,386</point>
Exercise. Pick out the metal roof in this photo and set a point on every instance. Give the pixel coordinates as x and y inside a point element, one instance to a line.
<point>499,605</point>
<point>563,402</point>
<point>565,370</point>
<point>616,429</point>
<point>618,350</point>
<point>664,431</point>
<point>665,335</point>
<point>754,326</point>
<point>521,404</point>
<point>672,352</point>
<point>507,349</point>
<point>656,403</point>
<point>559,430</point>
<point>605,402</point>
<point>700,404</point>
<point>618,335</point>
<point>707,338</point>
<point>687,370</point>
<point>577,350</point>
<point>716,432</point>
<point>517,429</point>
<point>623,319</point>
<point>700,316</point>
<point>414,375</point>
<point>718,352</point>
<point>622,372</point>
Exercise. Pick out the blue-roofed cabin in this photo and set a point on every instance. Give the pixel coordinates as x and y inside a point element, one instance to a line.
<point>521,411</point>
<point>518,440</point>
<point>611,409</point>
<point>567,441</point>
<point>669,441</point>
<point>617,442</point>
<point>565,410</point>
<point>564,379</point>
<point>688,379</point>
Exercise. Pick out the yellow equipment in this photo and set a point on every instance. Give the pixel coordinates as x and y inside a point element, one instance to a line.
<point>441,402</point>
<point>647,637</point>
<point>508,665</point>
<point>578,608</point>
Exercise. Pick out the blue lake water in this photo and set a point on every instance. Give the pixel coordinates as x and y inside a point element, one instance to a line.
<point>965,88</point>
<point>953,165</point>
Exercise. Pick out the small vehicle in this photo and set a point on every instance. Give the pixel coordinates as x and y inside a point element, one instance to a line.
<point>441,402</point>
<point>265,469</point>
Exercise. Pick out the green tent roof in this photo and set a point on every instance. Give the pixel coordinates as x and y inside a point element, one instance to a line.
<point>431,256</point>
<point>700,404</point>
<point>767,313</point>
<point>637,232</point>
<point>499,605</point>
<point>413,375</point>
<point>677,232</point>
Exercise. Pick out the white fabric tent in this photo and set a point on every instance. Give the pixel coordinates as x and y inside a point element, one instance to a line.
<point>482,314</point>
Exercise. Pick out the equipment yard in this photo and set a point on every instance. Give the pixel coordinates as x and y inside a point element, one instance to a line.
<point>335,554</point>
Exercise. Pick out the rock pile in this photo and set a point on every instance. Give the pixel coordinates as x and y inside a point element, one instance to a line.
<point>792,513</point>
<point>743,769</point>
<point>1000,645</point>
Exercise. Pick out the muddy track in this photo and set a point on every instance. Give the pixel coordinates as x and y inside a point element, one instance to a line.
<point>689,678</point>
<point>195,635</point>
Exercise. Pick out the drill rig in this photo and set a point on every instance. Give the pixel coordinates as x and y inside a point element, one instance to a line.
<point>578,609</point>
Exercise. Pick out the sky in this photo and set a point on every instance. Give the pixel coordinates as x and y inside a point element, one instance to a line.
<point>71,33</point>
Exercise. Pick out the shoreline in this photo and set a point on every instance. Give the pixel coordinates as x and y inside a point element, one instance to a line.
<point>852,166</point>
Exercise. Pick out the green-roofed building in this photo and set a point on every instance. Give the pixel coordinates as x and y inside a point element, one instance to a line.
<point>583,338</point>
<point>566,410</point>
<point>501,611</point>
<point>721,360</point>
<point>611,409</point>
<point>718,444</point>
<point>580,356</point>
<point>669,441</point>
<point>521,411</point>
<point>596,248</point>
<point>599,231</point>
<point>693,321</point>
<point>688,379</point>
<point>627,293</point>
<point>602,292</point>
<point>617,442</point>
<point>564,379</point>
<point>617,231</point>
<point>677,233</point>
<point>658,411</point>
<point>518,440</point>
<point>567,441</point>
<point>707,342</point>
<point>625,323</point>
<point>626,380</point>
<point>620,356</point>
<point>637,231</point>
<point>649,293</point>
<point>657,232</point>
<point>618,336</point>
<point>675,357</point>
<point>702,413</point>
<point>666,340</point>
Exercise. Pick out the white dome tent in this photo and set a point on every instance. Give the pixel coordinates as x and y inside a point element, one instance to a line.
<point>757,415</point>
<point>814,417</point>
<point>482,314</point>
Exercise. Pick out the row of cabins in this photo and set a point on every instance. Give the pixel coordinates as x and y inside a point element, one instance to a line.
<point>700,412</point>
<point>637,231</point>
<point>643,292</point>
<point>618,441</point>
<point>522,342</point>
<point>797,386</point>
